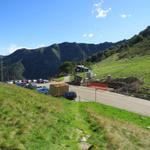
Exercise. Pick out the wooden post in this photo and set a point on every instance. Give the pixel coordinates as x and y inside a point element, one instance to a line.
<point>95,94</point>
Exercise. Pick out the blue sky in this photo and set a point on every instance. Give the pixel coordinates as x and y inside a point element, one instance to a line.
<point>35,23</point>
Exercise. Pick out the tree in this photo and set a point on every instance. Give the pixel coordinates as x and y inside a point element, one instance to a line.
<point>67,67</point>
<point>14,71</point>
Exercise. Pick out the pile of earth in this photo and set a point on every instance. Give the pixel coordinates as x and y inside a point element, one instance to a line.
<point>128,86</point>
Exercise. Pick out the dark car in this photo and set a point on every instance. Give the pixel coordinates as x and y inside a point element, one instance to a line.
<point>43,90</point>
<point>21,84</point>
<point>40,81</point>
<point>70,95</point>
<point>31,86</point>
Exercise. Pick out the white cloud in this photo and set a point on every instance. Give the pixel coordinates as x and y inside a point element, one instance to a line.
<point>124,16</point>
<point>90,35</point>
<point>84,35</point>
<point>13,47</point>
<point>99,11</point>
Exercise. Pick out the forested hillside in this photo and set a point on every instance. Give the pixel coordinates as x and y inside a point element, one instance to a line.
<point>44,62</point>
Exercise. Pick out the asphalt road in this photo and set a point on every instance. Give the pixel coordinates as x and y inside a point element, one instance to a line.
<point>128,103</point>
<point>132,104</point>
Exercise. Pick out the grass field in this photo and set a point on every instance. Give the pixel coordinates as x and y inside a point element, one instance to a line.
<point>137,66</point>
<point>59,79</point>
<point>32,121</point>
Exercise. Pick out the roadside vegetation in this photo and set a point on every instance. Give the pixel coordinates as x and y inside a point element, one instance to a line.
<point>29,120</point>
<point>59,79</point>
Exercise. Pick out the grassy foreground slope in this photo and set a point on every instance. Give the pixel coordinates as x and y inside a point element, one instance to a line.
<point>31,121</point>
<point>138,66</point>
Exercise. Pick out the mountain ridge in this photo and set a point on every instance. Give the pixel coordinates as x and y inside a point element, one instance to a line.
<point>44,62</point>
<point>129,59</point>
<point>138,45</point>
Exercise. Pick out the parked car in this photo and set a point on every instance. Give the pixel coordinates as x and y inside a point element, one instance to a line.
<point>10,82</point>
<point>70,95</point>
<point>21,84</point>
<point>43,90</point>
<point>40,81</point>
<point>46,81</point>
<point>34,81</point>
<point>31,86</point>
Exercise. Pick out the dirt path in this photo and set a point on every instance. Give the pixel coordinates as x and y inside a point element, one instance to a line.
<point>66,79</point>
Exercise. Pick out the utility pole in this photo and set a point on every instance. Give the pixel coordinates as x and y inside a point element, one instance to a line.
<point>95,95</point>
<point>2,72</point>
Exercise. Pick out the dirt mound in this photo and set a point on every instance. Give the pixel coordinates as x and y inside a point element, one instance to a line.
<point>124,85</point>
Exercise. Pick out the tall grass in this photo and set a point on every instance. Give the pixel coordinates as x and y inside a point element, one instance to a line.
<point>32,121</point>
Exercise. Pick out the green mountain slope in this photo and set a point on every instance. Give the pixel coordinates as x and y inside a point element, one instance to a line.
<point>45,62</point>
<point>31,121</point>
<point>137,67</point>
<point>139,45</point>
<point>129,59</point>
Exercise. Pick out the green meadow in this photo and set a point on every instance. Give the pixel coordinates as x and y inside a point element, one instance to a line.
<point>32,121</point>
<point>137,67</point>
